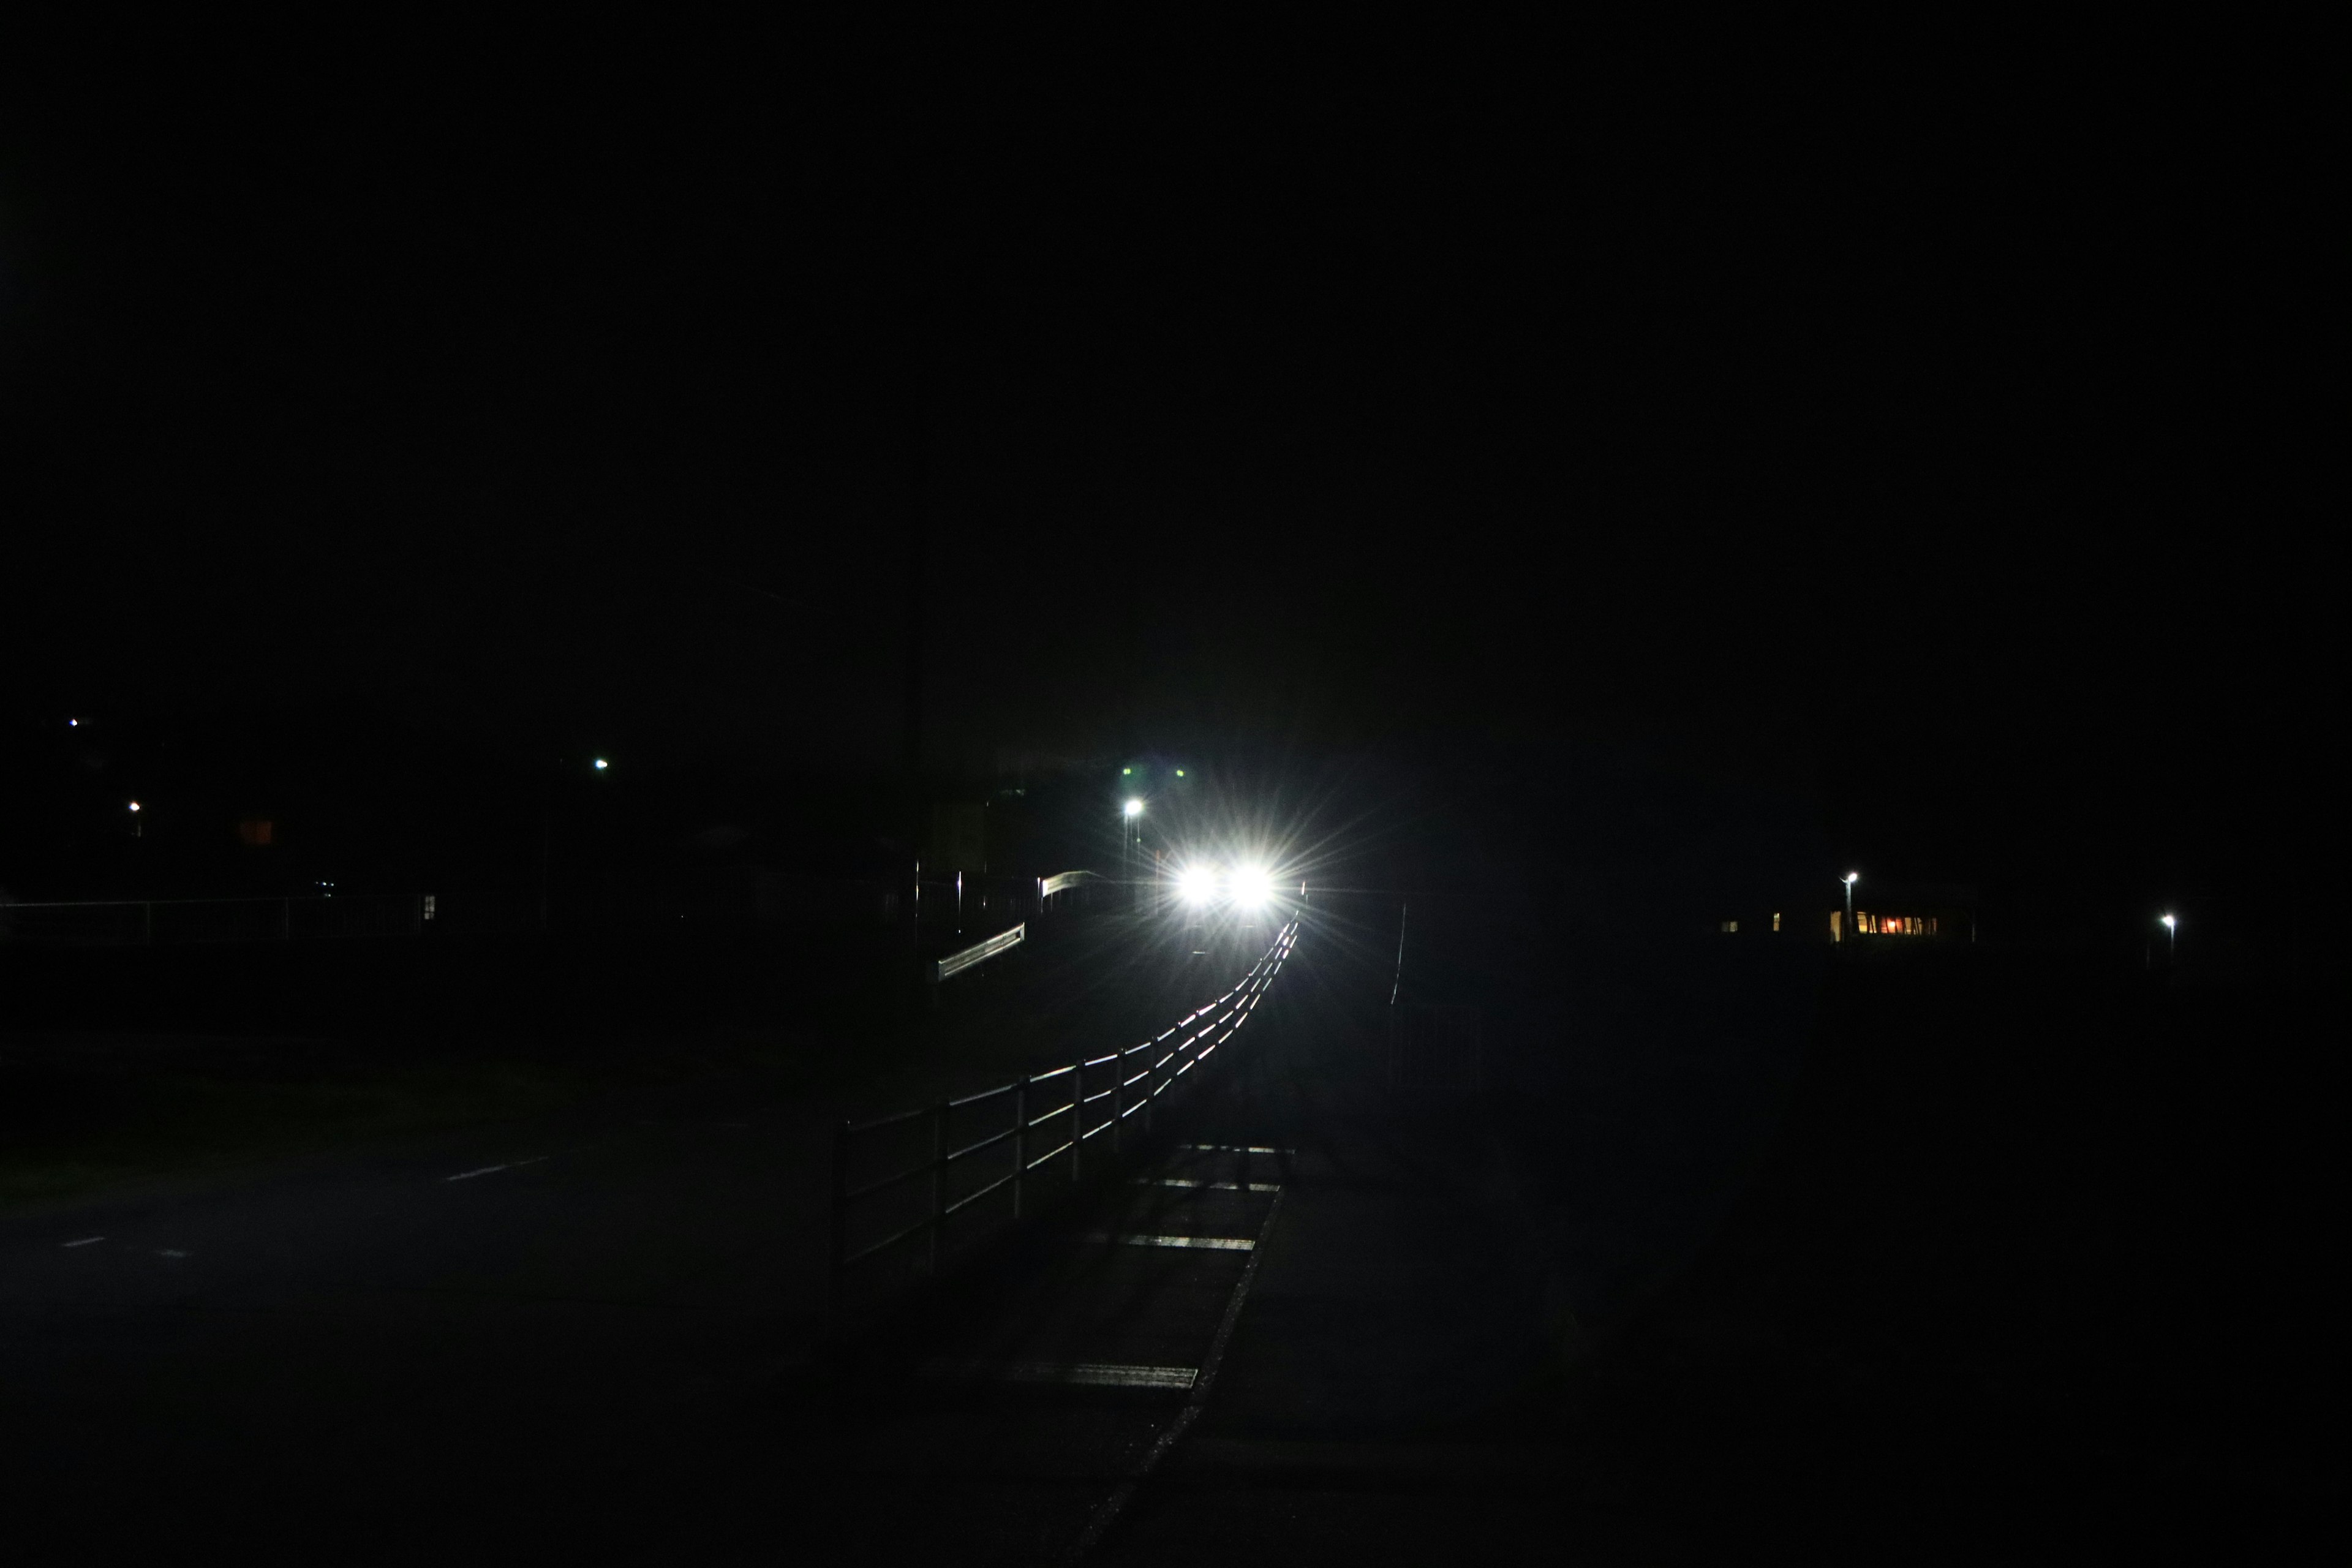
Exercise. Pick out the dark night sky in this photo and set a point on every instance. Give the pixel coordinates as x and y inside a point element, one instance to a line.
<point>1937,449</point>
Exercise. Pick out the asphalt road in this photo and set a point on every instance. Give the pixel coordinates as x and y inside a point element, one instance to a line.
<point>1322,1319</point>
<point>503,1331</point>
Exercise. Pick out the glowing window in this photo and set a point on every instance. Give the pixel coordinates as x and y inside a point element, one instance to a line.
<point>1731,925</point>
<point>1775,922</point>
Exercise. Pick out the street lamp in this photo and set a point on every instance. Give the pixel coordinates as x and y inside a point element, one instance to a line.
<point>1851,879</point>
<point>2171,925</point>
<point>557,770</point>
<point>135,832</point>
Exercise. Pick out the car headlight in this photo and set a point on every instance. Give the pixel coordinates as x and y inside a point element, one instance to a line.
<point>1252,888</point>
<point>1195,885</point>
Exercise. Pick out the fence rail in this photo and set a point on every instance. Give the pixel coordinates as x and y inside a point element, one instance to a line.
<point>934,1164</point>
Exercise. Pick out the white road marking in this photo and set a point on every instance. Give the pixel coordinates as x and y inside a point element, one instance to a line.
<point>1213,1186</point>
<point>169,1252</point>
<point>1221,1242</point>
<point>534,1160</point>
<point>84,1241</point>
<point>469,1176</point>
<point>1235,1149</point>
<point>1098,1374</point>
<point>1174,1433</point>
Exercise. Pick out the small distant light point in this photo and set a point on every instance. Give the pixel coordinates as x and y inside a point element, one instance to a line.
<point>602,764</point>
<point>1135,808</point>
<point>134,805</point>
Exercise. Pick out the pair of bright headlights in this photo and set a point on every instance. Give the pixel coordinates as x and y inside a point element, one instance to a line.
<point>1248,887</point>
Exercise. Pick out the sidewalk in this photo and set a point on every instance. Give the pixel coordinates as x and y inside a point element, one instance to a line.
<point>1404,1385</point>
<point>1385,1394</point>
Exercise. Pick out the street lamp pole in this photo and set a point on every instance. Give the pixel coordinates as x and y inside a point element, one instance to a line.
<point>1127,814</point>
<point>547,829</point>
<point>1851,879</point>
<point>2171,925</point>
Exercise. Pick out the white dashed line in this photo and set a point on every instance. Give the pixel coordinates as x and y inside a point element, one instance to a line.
<point>84,1241</point>
<point>1221,1242</point>
<point>1100,1375</point>
<point>493,1170</point>
<point>1210,1186</point>
<point>169,1252</point>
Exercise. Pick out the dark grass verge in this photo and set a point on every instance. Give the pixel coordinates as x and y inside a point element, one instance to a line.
<point>2030,1258</point>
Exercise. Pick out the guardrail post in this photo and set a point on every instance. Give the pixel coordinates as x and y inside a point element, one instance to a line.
<point>1020,1141</point>
<point>1077,1120</point>
<point>939,1190</point>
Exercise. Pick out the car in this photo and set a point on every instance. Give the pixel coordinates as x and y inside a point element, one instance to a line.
<point>1215,898</point>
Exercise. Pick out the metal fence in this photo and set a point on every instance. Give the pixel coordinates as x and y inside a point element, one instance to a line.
<point>911,1190</point>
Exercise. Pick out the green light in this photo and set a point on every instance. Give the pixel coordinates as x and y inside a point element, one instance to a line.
<point>1125,771</point>
<point>1180,773</point>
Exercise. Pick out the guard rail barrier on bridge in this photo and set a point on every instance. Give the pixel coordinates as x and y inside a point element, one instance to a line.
<point>909,1188</point>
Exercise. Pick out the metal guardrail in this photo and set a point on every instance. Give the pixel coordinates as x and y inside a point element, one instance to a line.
<point>979,952</point>
<point>914,1198</point>
<point>1064,882</point>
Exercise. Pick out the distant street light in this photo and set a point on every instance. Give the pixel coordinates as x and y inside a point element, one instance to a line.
<point>2171,925</point>
<point>135,831</point>
<point>1851,879</point>
<point>558,769</point>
